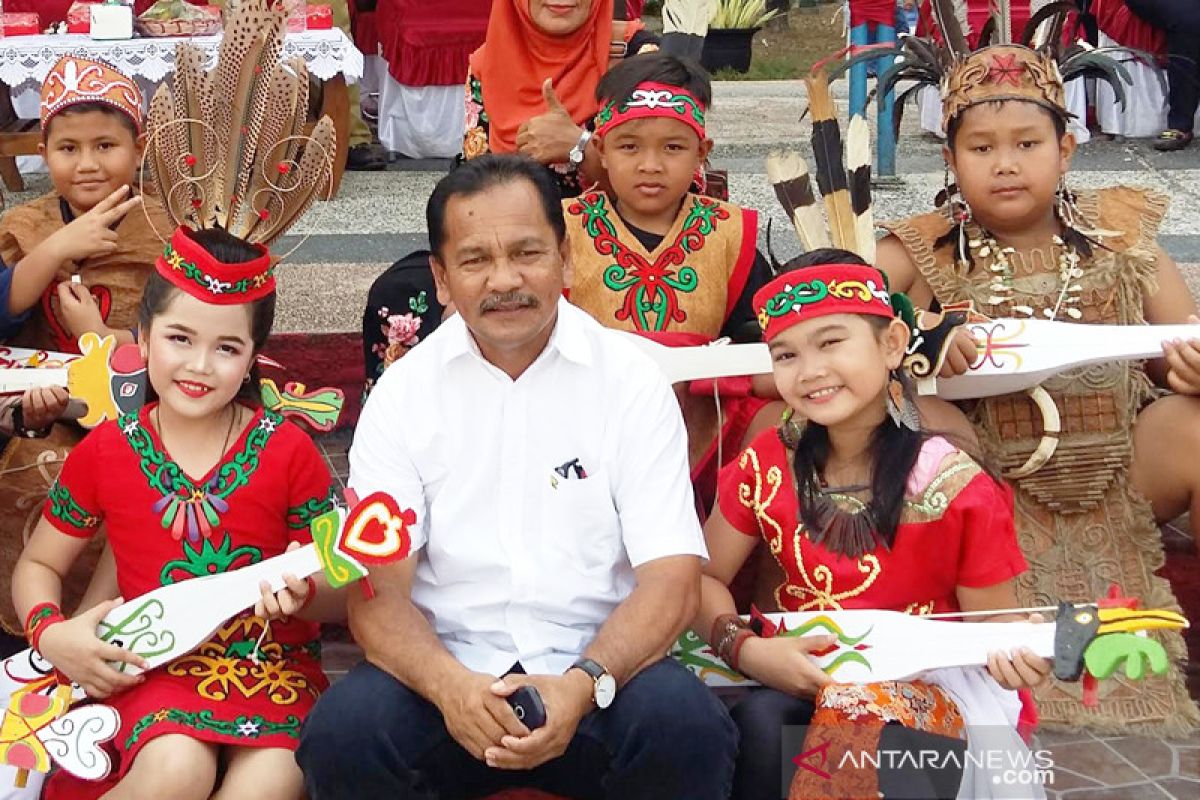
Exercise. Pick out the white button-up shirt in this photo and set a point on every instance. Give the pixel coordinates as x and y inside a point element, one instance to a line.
<point>535,498</point>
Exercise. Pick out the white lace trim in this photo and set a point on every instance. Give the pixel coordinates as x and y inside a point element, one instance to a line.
<point>27,59</point>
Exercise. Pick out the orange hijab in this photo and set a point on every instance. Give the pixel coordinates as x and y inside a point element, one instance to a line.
<point>517,57</point>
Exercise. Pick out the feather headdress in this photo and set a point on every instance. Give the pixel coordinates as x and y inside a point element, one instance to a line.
<point>1035,68</point>
<point>227,149</point>
<point>844,182</point>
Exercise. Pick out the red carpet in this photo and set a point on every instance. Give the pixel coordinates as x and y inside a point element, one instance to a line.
<point>323,359</point>
<point>1183,571</point>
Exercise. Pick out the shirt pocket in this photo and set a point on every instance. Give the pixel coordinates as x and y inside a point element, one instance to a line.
<point>579,523</point>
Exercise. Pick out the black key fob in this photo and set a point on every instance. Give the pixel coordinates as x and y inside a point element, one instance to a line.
<point>527,704</point>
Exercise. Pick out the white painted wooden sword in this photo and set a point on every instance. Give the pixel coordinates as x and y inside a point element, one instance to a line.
<point>173,620</point>
<point>874,646</point>
<point>1013,354</point>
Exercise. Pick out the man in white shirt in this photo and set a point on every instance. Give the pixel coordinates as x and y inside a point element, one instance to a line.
<point>556,543</point>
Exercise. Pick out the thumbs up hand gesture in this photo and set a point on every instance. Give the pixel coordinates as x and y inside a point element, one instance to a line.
<point>549,137</point>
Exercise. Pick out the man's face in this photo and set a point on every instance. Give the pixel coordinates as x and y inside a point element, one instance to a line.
<point>503,270</point>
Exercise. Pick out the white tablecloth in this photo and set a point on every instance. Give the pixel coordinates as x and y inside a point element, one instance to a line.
<point>25,60</point>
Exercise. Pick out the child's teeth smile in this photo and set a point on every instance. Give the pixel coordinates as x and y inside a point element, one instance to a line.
<point>824,394</point>
<point>193,389</point>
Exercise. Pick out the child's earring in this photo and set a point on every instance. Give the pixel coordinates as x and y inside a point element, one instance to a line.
<point>790,430</point>
<point>899,407</point>
<point>1064,204</point>
<point>247,378</point>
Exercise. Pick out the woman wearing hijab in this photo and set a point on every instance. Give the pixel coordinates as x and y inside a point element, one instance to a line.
<point>531,86</point>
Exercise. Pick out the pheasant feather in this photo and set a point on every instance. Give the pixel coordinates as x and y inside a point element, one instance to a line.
<point>827,152</point>
<point>228,148</point>
<point>788,174</point>
<point>947,22</point>
<point>858,165</point>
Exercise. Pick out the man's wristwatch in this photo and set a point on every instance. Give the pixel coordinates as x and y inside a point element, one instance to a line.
<point>604,685</point>
<point>578,152</point>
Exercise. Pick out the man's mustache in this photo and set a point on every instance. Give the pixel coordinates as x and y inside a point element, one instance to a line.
<point>508,302</point>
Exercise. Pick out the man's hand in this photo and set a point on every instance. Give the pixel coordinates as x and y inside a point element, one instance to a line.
<point>548,138</point>
<point>1183,363</point>
<point>784,663</point>
<point>90,234</point>
<point>475,715</point>
<point>960,355</point>
<point>568,698</point>
<point>79,310</point>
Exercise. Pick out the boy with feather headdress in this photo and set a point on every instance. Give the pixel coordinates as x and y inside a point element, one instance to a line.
<point>1014,240</point>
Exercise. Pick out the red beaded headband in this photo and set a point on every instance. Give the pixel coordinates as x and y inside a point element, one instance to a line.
<point>653,100</point>
<point>819,291</point>
<point>190,267</point>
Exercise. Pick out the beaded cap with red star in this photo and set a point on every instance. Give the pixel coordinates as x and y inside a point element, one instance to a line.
<point>1003,72</point>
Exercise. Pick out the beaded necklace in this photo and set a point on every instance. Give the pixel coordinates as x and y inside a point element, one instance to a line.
<point>1070,290</point>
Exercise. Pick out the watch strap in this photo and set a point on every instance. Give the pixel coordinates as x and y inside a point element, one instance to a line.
<point>591,667</point>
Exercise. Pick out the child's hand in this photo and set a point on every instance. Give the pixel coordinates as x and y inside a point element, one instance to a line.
<point>1025,669</point>
<point>783,663</point>
<point>1183,363</point>
<point>960,355</point>
<point>72,647</point>
<point>90,233</point>
<point>287,601</point>
<point>78,309</point>
<point>41,407</point>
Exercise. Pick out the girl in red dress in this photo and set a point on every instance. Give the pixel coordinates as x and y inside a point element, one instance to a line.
<point>200,482</point>
<point>861,510</point>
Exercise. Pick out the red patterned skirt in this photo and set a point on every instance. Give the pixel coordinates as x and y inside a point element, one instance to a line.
<point>216,694</point>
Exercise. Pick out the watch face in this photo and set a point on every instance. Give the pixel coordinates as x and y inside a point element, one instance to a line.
<point>606,690</point>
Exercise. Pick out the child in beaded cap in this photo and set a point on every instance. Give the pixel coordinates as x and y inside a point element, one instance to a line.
<point>652,257</point>
<point>862,509</point>
<point>1015,241</point>
<point>78,258</point>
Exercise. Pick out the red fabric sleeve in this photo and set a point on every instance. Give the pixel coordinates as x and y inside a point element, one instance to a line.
<point>737,481</point>
<point>310,487</point>
<point>989,553</point>
<point>73,504</point>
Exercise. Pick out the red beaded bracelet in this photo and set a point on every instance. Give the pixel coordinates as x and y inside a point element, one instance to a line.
<point>40,617</point>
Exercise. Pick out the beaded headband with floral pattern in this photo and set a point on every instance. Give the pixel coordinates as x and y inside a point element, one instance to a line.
<point>819,291</point>
<point>651,99</point>
<point>188,266</point>
<point>76,79</point>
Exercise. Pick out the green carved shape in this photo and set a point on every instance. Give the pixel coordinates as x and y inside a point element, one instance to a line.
<point>339,570</point>
<point>209,560</point>
<point>318,409</point>
<point>141,631</point>
<point>1106,654</point>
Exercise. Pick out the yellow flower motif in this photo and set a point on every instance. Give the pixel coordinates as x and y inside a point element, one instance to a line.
<point>475,143</point>
<point>161,715</point>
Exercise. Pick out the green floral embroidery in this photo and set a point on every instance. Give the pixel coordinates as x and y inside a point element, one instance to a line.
<point>419,304</point>
<point>933,499</point>
<point>64,507</point>
<point>245,727</point>
<point>652,292</point>
<point>209,560</point>
<point>299,517</point>
<point>211,283</point>
<point>185,506</point>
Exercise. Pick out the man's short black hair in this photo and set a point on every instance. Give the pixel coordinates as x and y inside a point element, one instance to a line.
<point>655,67</point>
<point>93,105</point>
<point>482,173</point>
